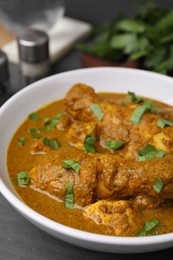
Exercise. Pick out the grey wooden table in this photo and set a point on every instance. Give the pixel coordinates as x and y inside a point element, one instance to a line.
<point>21,240</point>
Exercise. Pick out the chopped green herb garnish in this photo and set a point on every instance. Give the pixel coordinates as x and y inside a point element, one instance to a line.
<point>149,152</point>
<point>68,164</point>
<point>46,120</point>
<point>34,116</point>
<point>50,123</point>
<point>21,141</point>
<point>137,114</point>
<point>69,197</point>
<point>22,178</point>
<point>150,106</point>
<point>59,115</point>
<point>141,110</point>
<point>154,233</point>
<point>35,132</point>
<point>162,123</point>
<point>158,185</point>
<point>89,144</point>
<point>114,144</point>
<point>51,143</point>
<point>96,109</point>
<point>134,98</point>
<point>148,227</point>
<point>151,224</point>
<point>123,104</point>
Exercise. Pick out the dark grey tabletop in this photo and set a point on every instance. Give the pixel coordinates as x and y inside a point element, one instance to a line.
<point>19,239</point>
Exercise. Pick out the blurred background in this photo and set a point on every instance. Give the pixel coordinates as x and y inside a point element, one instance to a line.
<point>94,11</point>
<point>17,14</point>
<point>67,23</point>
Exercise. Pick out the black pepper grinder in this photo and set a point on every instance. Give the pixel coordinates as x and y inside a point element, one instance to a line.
<point>4,76</point>
<point>33,46</point>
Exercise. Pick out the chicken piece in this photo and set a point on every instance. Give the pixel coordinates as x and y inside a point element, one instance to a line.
<point>77,103</point>
<point>119,215</point>
<point>54,179</point>
<point>141,134</point>
<point>64,123</point>
<point>103,176</point>
<point>146,202</point>
<point>38,147</point>
<point>166,112</point>
<point>78,100</point>
<point>164,140</point>
<point>78,131</point>
<point>116,123</point>
<point>120,178</point>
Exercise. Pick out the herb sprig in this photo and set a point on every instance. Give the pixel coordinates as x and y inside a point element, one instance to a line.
<point>145,37</point>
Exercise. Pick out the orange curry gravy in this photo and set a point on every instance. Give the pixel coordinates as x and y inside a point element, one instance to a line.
<point>20,159</point>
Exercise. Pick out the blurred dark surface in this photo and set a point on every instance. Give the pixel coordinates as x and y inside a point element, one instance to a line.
<point>96,11</point>
<point>19,239</point>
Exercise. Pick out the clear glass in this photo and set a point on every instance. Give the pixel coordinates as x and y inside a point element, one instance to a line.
<point>41,14</point>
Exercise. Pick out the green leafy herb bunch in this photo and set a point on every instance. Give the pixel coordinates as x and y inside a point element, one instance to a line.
<point>146,37</point>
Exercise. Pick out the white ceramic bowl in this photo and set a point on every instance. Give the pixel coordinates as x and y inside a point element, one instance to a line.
<point>17,108</point>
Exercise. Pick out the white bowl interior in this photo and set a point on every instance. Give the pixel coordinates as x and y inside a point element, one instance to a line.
<point>31,98</point>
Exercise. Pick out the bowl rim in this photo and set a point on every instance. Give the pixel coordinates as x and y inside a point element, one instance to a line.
<point>54,226</point>
<point>84,70</point>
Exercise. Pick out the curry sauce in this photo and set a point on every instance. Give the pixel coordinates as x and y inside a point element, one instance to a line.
<point>34,155</point>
